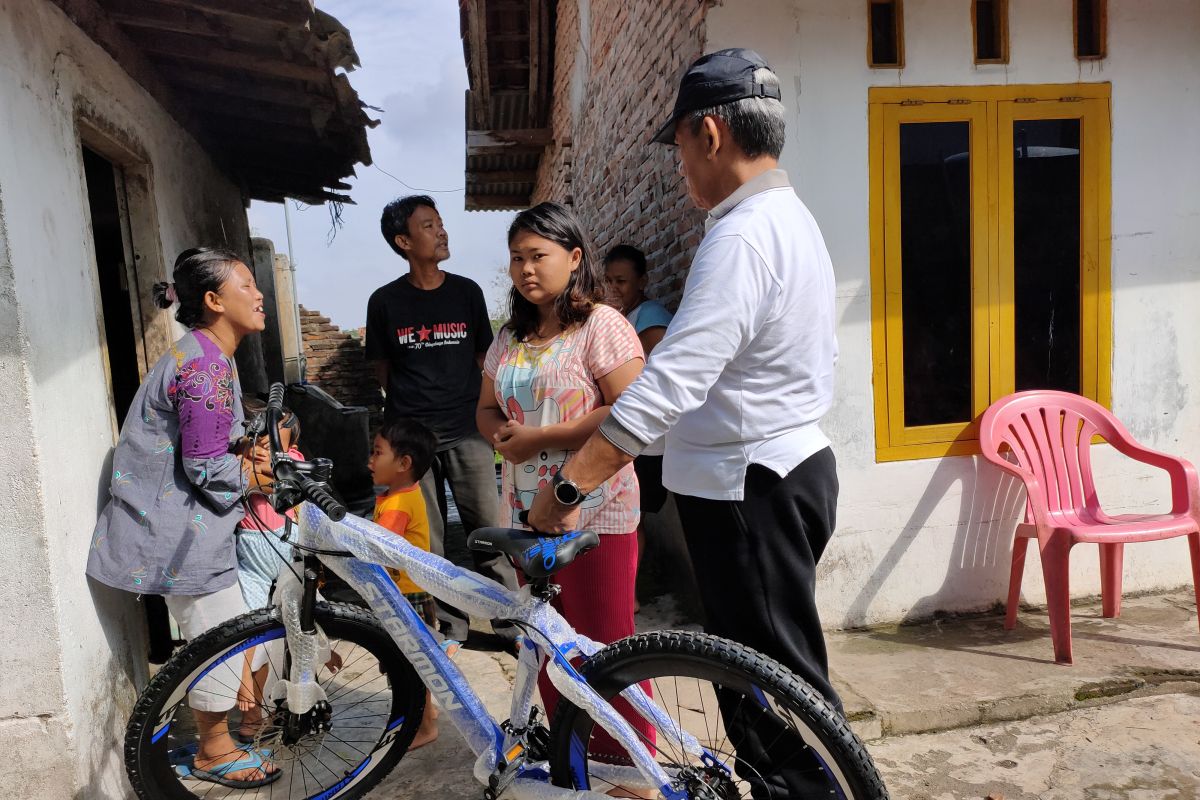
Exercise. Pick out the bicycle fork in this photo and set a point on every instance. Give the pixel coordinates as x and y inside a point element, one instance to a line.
<point>305,708</point>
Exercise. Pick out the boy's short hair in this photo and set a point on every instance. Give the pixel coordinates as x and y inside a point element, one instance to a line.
<point>394,220</point>
<point>407,437</point>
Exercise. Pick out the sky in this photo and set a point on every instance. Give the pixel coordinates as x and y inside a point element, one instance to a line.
<point>412,68</point>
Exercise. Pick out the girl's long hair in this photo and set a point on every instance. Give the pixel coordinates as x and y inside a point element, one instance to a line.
<point>585,288</point>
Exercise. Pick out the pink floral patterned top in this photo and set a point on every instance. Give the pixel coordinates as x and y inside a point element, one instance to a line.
<point>545,384</point>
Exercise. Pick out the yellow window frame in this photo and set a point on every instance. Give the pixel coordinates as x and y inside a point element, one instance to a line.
<point>990,111</point>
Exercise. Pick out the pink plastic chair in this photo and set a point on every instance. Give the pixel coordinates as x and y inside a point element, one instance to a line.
<point>1050,435</point>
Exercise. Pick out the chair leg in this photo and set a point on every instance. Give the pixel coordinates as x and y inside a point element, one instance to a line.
<point>1194,546</point>
<point>1112,558</point>
<point>1056,573</point>
<point>1020,547</point>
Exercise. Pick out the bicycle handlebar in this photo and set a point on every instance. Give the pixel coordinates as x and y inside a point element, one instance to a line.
<point>287,471</point>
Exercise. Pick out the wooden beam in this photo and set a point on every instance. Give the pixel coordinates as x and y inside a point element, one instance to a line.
<point>495,202</point>
<point>187,76</point>
<point>528,137</point>
<point>155,16</point>
<point>290,12</point>
<point>541,90</point>
<point>535,34</point>
<point>480,96</point>
<point>502,176</point>
<point>181,47</point>
<point>220,105</point>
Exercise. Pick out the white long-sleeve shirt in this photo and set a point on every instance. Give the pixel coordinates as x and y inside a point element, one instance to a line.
<point>745,370</point>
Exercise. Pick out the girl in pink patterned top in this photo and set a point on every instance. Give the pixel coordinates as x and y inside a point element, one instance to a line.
<point>549,378</point>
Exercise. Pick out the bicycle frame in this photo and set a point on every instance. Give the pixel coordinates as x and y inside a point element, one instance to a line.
<point>548,637</point>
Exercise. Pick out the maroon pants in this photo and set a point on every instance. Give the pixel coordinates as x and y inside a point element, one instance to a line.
<point>597,600</point>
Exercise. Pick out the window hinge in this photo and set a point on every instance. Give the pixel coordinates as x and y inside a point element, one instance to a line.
<point>912,102</point>
<point>1025,100</point>
<point>1072,99</point>
<point>958,101</point>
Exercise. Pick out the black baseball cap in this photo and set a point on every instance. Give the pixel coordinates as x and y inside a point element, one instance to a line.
<point>715,79</point>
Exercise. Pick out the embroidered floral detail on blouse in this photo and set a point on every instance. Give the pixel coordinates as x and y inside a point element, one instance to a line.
<point>121,478</point>
<point>164,446</point>
<point>98,538</point>
<point>167,490</point>
<point>139,574</point>
<point>211,384</point>
<point>228,495</point>
<point>170,575</point>
<point>197,524</point>
<point>142,518</point>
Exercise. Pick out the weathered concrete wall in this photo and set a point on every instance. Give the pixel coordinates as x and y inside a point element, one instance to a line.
<point>616,68</point>
<point>74,656</point>
<point>918,536</point>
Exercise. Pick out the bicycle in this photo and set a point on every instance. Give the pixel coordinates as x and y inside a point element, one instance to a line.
<point>346,688</point>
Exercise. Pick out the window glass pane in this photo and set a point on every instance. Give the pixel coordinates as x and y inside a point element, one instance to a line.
<point>935,251</point>
<point>1046,253</point>
<point>987,30</point>
<point>885,38</point>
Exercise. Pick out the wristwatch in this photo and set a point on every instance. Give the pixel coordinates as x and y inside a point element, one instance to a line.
<point>565,490</point>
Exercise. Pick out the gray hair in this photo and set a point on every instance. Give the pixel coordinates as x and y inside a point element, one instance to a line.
<point>756,123</point>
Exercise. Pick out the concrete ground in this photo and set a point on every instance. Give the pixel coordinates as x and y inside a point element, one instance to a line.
<point>961,708</point>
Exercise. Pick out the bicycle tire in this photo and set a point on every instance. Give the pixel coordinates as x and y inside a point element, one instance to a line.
<point>151,745</point>
<point>648,658</point>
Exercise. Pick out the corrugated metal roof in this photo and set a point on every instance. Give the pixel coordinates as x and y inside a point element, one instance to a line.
<point>506,44</point>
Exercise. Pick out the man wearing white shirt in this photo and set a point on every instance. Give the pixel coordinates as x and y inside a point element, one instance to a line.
<point>741,379</point>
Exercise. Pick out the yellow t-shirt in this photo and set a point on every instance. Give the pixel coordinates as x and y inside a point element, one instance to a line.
<point>403,512</point>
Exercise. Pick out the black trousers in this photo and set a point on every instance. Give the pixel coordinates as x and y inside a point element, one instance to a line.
<point>756,563</point>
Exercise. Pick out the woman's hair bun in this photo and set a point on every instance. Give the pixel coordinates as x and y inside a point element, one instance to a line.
<point>163,295</point>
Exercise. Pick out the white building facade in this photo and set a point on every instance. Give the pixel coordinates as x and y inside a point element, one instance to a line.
<point>920,531</point>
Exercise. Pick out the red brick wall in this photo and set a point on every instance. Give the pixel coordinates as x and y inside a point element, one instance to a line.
<point>623,188</point>
<point>336,362</point>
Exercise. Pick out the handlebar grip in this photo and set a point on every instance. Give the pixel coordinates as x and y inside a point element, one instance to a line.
<point>275,399</point>
<point>322,498</point>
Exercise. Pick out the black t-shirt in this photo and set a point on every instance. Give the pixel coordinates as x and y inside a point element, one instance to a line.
<point>431,340</point>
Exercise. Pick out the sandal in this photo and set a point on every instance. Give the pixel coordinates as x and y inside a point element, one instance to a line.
<point>218,773</point>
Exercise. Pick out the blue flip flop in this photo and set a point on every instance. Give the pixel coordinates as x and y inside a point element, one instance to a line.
<point>217,775</point>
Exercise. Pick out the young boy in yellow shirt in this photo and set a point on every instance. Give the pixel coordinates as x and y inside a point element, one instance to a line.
<point>402,452</point>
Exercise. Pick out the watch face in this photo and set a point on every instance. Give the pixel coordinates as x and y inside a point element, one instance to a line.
<point>567,493</point>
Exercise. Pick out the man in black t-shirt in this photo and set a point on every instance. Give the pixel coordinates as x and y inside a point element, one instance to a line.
<point>427,333</point>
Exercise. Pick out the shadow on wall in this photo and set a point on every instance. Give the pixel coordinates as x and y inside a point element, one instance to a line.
<point>991,503</point>
<point>113,692</point>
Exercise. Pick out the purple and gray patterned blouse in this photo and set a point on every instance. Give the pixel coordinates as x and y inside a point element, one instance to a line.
<point>176,487</point>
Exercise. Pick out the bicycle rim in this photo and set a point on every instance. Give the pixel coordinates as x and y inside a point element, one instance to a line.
<point>375,697</point>
<point>732,724</point>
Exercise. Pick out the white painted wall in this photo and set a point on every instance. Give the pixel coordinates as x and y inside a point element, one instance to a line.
<point>73,657</point>
<point>919,536</point>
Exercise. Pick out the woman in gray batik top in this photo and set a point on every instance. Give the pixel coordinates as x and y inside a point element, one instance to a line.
<point>177,486</point>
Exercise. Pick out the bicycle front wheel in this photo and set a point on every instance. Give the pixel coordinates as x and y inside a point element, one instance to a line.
<point>375,698</point>
<point>730,723</point>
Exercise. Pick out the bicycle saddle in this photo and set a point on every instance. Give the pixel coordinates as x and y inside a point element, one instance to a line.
<point>536,555</point>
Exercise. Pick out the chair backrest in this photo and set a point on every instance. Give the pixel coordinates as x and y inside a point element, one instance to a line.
<point>1050,435</point>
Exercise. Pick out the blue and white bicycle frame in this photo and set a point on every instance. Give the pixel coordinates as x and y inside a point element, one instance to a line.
<point>548,638</point>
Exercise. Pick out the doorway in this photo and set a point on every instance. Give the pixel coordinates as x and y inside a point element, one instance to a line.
<point>119,299</point>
